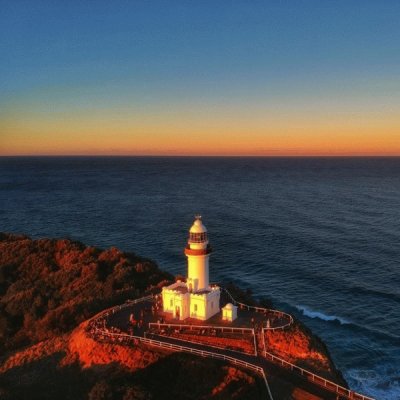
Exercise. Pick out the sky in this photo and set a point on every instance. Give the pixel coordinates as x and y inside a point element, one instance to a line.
<point>264,78</point>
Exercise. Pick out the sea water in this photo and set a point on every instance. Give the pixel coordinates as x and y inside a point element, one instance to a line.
<point>320,237</point>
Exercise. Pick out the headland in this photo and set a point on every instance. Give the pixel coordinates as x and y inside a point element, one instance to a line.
<point>67,331</point>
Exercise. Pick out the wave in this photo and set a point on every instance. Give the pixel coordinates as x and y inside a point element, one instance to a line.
<point>381,382</point>
<point>316,314</point>
<point>378,334</point>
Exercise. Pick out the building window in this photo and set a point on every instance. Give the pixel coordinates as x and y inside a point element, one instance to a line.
<point>195,308</point>
<point>171,302</point>
<point>212,304</point>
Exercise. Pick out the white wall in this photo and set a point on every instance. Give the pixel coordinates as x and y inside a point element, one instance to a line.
<point>172,300</point>
<point>198,271</point>
<point>207,305</point>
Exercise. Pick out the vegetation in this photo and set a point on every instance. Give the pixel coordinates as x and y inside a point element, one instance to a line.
<point>48,287</point>
<point>174,377</point>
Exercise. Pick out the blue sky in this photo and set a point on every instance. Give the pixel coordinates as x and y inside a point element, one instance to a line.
<point>148,57</point>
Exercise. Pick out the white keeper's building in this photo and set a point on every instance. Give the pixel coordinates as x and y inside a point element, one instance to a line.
<point>195,298</point>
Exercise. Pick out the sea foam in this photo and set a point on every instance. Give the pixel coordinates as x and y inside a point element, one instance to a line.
<point>383,382</point>
<point>317,314</point>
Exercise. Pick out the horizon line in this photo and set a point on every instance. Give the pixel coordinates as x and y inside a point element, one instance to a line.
<point>204,155</point>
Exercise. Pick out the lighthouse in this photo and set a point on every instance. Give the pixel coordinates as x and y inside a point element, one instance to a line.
<point>198,252</point>
<point>194,298</point>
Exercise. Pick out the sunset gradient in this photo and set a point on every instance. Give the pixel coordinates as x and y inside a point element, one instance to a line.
<point>240,78</point>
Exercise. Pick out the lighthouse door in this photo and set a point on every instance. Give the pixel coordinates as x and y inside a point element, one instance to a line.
<point>177,312</point>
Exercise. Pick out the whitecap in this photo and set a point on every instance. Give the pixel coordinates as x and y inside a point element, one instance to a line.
<point>380,383</point>
<point>317,314</point>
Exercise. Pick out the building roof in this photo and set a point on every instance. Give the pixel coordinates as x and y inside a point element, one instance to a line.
<point>178,287</point>
<point>229,306</point>
<point>204,291</point>
<point>181,289</point>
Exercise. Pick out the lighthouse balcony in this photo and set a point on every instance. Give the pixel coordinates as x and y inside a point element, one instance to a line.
<point>197,252</point>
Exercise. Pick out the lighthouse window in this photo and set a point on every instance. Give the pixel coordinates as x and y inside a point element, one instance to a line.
<point>198,237</point>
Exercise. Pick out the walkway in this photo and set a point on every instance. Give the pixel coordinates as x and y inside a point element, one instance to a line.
<point>272,371</point>
<point>114,325</point>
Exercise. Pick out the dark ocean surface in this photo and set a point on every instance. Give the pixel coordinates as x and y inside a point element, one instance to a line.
<point>319,236</point>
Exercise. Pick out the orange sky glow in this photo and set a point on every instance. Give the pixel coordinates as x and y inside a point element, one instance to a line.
<point>108,135</point>
<point>232,80</point>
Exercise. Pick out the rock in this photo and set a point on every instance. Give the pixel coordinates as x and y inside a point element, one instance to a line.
<point>298,345</point>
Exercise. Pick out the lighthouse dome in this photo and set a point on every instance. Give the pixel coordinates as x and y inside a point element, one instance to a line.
<point>198,226</point>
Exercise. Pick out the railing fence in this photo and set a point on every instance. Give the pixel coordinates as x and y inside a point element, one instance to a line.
<point>340,390</point>
<point>313,377</point>
<point>277,313</point>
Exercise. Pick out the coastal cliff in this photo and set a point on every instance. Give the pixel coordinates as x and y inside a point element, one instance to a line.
<point>48,290</point>
<point>298,345</point>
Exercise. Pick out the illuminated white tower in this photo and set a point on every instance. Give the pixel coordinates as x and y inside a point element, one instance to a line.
<point>198,252</point>
<point>194,298</point>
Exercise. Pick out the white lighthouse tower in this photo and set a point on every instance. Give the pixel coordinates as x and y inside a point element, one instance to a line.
<point>198,252</point>
<point>194,298</point>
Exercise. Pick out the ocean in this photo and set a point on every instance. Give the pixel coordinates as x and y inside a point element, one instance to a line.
<point>320,237</point>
